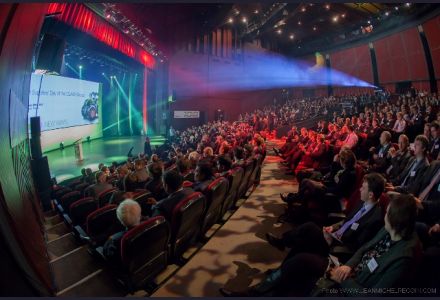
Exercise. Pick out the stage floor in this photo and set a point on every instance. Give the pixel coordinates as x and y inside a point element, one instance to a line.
<point>63,165</point>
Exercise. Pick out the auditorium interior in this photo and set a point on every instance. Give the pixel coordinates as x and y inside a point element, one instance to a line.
<point>219,149</point>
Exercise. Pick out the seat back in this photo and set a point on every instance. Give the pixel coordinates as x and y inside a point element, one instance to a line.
<point>102,223</point>
<point>144,251</point>
<point>185,223</point>
<point>142,198</point>
<point>189,176</point>
<point>105,196</point>
<point>66,200</point>
<point>384,200</point>
<point>60,192</point>
<point>215,195</point>
<point>248,167</point>
<point>234,177</point>
<point>81,187</point>
<point>355,197</point>
<point>80,209</point>
<point>256,172</point>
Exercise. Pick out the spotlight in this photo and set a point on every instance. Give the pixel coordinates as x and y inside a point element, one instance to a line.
<point>407,4</point>
<point>80,66</point>
<point>62,146</point>
<point>244,20</point>
<point>299,23</point>
<point>327,6</point>
<point>256,11</point>
<point>291,36</point>
<point>396,7</point>
<point>335,19</point>
<point>108,16</point>
<point>343,15</point>
<point>314,28</point>
<point>303,9</point>
<point>279,31</point>
<point>369,22</point>
<point>387,13</point>
<point>103,74</point>
<point>230,20</point>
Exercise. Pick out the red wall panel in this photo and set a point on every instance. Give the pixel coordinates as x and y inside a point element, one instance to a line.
<point>400,57</point>
<point>432,29</point>
<point>355,62</point>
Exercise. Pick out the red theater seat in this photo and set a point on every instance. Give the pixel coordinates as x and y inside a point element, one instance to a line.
<point>80,209</point>
<point>234,177</point>
<point>215,196</point>
<point>100,224</point>
<point>105,196</point>
<point>144,252</point>
<point>185,223</point>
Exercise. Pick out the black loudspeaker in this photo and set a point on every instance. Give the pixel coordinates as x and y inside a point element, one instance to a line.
<point>42,180</point>
<point>50,56</point>
<point>36,138</point>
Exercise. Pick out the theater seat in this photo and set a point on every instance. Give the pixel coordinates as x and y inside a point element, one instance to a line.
<point>248,167</point>
<point>80,209</point>
<point>81,187</point>
<point>100,224</point>
<point>60,192</point>
<point>142,198</point>
<point>104,197</point>
<point>65,201</point>
<point>234,177</point>
<point>256,172</point>
<point>215,195</point>
<point>185,223</point>
<point>144,252</point>
<point>355,198</point>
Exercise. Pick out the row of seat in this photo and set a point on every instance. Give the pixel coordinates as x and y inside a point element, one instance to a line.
<point>94,221</point>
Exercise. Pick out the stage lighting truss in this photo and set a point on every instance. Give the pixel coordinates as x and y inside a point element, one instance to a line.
<point>120,21</point>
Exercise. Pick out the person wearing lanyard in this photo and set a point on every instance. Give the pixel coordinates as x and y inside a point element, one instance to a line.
<point>409,180</point>
<point>388,259</point>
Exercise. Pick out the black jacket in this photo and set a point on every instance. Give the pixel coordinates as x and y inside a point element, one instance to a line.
<point>412,184</point>
<point>394,269</point>
<point>369,225</point>
<point>166,206</point>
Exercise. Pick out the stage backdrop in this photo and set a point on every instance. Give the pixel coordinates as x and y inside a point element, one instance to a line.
<point>69,109</point>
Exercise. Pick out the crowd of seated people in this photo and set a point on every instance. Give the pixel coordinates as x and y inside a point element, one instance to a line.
<point>195,158</point>
<point>386,193</point>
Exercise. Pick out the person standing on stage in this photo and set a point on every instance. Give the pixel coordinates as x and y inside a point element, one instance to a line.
<point>147,147</point>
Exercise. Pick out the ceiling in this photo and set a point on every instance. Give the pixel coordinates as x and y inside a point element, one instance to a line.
<point>293,29</point>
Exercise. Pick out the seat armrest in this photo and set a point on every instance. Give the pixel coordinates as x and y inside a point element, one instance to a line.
<point>100,251</point>
<point>68,219</point>
<point>337,215</point>
<point>340,249</point>
<point>82,234</point>
<point>60,209</point>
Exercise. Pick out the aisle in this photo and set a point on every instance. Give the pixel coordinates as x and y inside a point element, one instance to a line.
<point>238,253</point>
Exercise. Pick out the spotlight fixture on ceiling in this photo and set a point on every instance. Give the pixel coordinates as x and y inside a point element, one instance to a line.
<point>335,19</point>
<point>387,13</point>
<point>279,31</point>
<point>244,20</point>
<point>230,20</point>
<point>299,23</point>
<point>327,6</point>
<point>291,36</point>
<point>314,28</point>
<point>303,9</point>
<point>343,15</point>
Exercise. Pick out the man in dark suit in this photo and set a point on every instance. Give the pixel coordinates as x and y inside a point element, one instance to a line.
<point>147,147</point>
<point>399,158</point>
<point>428,200</point>
<point>360,226</point>
<point>203,176</point>
<point>434,146</point>
<point>409,180</point>
<point>129,214</point>
<point>379,160</point>
<point>172,182</point>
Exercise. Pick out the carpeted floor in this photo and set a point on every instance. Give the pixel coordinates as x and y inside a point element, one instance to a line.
<point>238,254</point>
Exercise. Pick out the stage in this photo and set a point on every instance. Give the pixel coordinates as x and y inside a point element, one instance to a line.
<point>63,165</point>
